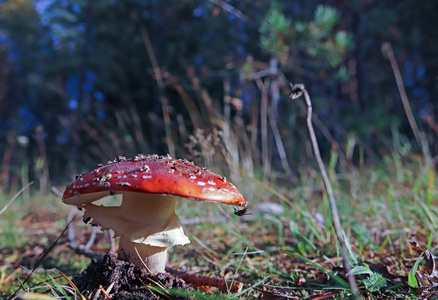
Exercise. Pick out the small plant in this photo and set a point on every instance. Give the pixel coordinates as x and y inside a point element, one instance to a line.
<point>375,282</point>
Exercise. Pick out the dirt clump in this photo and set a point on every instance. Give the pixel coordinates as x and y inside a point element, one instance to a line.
<point>130,282</point>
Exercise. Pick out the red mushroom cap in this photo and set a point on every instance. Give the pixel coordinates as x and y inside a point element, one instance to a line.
<point>152,174</point>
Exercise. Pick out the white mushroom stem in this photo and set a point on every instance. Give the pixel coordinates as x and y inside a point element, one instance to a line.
<point>147,226</point>
<point>151,257</point>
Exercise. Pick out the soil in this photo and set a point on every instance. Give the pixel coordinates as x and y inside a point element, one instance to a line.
<point>130,282</point>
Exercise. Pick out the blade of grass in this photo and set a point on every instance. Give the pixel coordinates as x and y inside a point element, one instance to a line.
<point>15,197</point>
<point>252,286</point>
<point>72,284</point>
<point>235,273</point>
<point>335,277</point>
<point>412,280</point>
<point>42,257</point>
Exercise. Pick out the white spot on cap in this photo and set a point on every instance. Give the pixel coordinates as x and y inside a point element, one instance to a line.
<point>211,182</point>
<point>201,183</point>
<point>134,176</point>
<point>146,176</point>
<point>145,168</point>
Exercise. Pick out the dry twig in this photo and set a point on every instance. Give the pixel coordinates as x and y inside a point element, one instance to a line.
<point>387,51</point>
<point>73,244</point>
<point>225,285</point>
<point>40,260</point>
<point>297,91</point>
<point>15,197</point>
<point>159,78</point>
<point>232,10</point>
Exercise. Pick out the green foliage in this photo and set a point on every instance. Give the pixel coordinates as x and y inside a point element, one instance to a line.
<point>412,280</point>
<point>275,31</point>
<point>375,282</point>
<point>360,270</point>
<point>282,37</point>
<point>326,17</point>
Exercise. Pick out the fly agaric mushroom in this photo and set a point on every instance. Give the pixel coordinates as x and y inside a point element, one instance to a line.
<point>146,221</point>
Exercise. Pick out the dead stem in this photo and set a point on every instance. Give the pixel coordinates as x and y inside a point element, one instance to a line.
<point>40,259</point>
<point>159,78</point>
<point>200,280</point>
<point>15,197</point>
<point>387,51</point>
<point>297,91</point>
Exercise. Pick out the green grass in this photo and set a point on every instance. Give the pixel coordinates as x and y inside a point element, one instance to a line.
<point>381,207</point>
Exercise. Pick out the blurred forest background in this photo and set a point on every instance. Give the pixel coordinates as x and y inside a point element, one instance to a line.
<point>82,82</point>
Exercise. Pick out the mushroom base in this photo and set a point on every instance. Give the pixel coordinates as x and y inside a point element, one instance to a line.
<point>152,257</point>
<point>125,280</point>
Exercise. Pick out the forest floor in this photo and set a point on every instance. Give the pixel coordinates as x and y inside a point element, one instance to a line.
<point>285,248</point>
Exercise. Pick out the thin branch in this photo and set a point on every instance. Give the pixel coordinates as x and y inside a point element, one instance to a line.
<point>231,286</point>
<point>232,10</point>
<point>387,51</point>
<point>41,258</point>
<point>263,87</point>
<point>71,236</point>
<point>297,91</point>
<point>56,191</point>
<point>91,239</point>
<point>278,141</point>
<point>160,82</point>
<point>15,197</point>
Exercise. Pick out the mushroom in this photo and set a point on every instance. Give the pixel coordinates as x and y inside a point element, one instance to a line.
<point>146,221</point>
